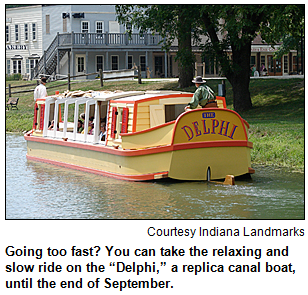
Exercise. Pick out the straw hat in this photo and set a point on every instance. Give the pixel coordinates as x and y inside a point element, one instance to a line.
<point>198,80</point>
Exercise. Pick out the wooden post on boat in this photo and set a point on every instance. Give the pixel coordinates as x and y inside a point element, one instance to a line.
<point>139,74</point>
<point>101,77</point>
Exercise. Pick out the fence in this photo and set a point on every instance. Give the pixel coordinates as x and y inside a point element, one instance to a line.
<point>69,82</point>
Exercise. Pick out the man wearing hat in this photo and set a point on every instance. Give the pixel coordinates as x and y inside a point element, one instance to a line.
<point>40,90</point>
<point>202,95</point>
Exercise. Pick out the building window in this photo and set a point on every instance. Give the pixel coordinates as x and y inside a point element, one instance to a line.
<point>99,27</point>
<point>16,33</point>
<point>114,62</point>
<point>114,27</point>
<point>99,62</point>
<point>158,66</point>
<point>129,28</point>
<point>296,67</point>
<point>142,62</point>
<point>47,24</point>
<point>34,35</point>
<point>65,25</point>
<point>80,64</point>
<point>7,34</point>
<point>8,66</point>
<point>16,66</point>
<point>252,60</point>
<point>26,32</point>
<point>30,65</point>
<point>84,27</point>
<point>130,62</point>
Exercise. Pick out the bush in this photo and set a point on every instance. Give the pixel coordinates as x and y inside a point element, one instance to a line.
<point>13,77</point>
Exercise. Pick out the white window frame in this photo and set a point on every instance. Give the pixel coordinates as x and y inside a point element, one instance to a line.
<point>34,31</point>
<point>16,32</point>
<point>85,30</point>
<point>32,64</point>
<point>7,33</point>
<point>8,67</point>
<point>102,27</point>
<point>26,32</point>
<point>115,26</point>
<point>17,66</point>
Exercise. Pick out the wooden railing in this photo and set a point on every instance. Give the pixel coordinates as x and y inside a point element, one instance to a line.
<point>69,82</point>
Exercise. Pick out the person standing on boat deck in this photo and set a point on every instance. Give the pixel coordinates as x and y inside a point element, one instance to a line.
<point>202,95</point>
<point>40,90</point>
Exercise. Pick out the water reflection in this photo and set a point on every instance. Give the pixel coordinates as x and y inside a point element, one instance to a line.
<point>50,192</point>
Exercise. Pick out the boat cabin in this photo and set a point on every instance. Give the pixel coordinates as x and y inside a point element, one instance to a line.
<point>125,115</point>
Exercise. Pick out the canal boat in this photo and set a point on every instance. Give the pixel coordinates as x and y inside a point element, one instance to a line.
<point>148,136</point>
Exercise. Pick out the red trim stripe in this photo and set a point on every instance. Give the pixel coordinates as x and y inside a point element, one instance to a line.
<point>141,177</point>
<point>208,144</point>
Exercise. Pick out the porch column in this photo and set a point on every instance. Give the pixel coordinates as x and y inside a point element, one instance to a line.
<point>126,59</point>
<point>107,61</point>
<point>87,61</point>
<point>73,63</point>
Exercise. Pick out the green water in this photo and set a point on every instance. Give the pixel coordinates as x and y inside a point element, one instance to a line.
<point>36,190</point>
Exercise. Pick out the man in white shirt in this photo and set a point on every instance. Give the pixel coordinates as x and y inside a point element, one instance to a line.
<point>40,90</point>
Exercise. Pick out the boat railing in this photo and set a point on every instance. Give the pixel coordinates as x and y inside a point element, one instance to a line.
<point>68,130</point>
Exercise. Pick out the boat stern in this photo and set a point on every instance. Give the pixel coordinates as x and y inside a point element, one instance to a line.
<point>210,144</point>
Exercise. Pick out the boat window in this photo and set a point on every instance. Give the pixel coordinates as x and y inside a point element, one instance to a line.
<point>81,110</point>
<point>119,123</point>
<point>70,117</point>
<point>51,115</point>
<point>173,111</point>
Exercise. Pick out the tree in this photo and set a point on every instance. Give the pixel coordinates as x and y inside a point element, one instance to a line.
<point>171,22</point>
<point>235,27</point>
<point>226,26</point>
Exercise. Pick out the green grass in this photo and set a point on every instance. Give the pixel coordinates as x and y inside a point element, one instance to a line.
<point>276,120</point>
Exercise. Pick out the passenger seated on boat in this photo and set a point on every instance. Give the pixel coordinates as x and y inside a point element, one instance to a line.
<point>92,128</point>
<point>102,134</point>
<point>202,96</point>
<point>90,125</point>
<point>50,127</point>
<point>79,126</point>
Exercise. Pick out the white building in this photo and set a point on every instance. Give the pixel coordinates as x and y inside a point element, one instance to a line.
<point>23,38</point>
<point>62,39</point>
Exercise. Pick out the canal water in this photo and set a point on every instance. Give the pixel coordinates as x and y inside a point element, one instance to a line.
<point>37,190</point>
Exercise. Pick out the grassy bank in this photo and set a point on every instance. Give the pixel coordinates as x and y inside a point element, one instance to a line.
<point>276,120</point>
